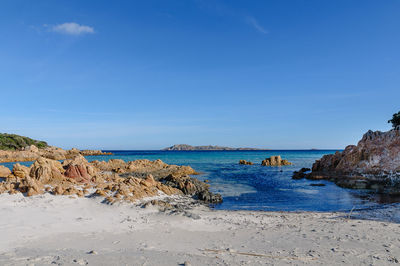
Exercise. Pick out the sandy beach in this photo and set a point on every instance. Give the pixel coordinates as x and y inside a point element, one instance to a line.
<point>199,132</point>
<point>65,230</point>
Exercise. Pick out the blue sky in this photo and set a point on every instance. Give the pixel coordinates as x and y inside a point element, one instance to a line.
<point>149,74</point>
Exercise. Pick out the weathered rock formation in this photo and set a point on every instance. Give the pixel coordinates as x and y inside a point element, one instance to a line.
<point>142,168</point>
<point>20,171</point>
<point>79,169</point>
<point>114,180</point>
<point>4,171</point>
<point>32,153</point>
<point>374,163</point>
<point>94,152</point>
<point>245,162</point>
<point>191,186</point>
<point>275,161</point>
<point>46,170</point>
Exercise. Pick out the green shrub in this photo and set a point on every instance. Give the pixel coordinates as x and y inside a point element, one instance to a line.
<point>16,142</point>
<point>395,120</point>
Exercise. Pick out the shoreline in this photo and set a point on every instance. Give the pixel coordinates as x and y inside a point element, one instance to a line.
<point>148,213</point>
<point>67,230</point>
<point>369,199</point>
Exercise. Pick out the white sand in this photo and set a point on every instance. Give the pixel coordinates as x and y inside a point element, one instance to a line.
<point>60,230</point>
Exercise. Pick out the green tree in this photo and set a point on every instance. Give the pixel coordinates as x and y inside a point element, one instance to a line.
<point>395,120</point>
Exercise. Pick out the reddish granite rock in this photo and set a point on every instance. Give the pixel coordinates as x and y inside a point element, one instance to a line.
<point>78,172</point>
<point>79,169</point>
<point>373,163</point>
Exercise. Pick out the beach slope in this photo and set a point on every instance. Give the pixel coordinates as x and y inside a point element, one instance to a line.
<point>65,230</point>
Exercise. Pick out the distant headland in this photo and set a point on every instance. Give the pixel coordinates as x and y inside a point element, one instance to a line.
<point>185,147</point>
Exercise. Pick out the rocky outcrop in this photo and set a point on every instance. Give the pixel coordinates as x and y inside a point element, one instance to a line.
<point>141,168</point>
<point>94,152</point>
<point>192,186</point>
<point>302,173</point>
<point>245,162</point>
<point>132,189</point>
<point>46,170</point>
<point>275,161</point>
<point>79,169</point>
<point>374,163</point>
<point>20,171</point>
<point>32,148</point>
<point>4,171</point>
<point>32,153</point>
<point>115,180</point>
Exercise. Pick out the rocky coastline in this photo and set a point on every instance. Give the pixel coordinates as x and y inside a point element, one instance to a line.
<point>115,180</point>
<point>374,163</point>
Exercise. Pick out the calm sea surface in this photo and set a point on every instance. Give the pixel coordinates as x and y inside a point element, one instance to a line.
<point>256,187</point>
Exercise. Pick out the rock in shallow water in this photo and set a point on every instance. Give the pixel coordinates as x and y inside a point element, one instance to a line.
<point>192,186</point>
<point>301,173</point>
<point>275,161</point>
<point>245,162</point>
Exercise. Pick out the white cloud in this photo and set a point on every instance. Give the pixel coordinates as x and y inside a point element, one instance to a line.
<point>72,28</point>
<point>254,23</point>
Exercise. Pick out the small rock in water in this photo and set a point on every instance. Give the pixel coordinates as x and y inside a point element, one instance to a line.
<point>245,162</point>
<point>317,185</point>
<point>302,173</point>
<point>275,161</point>
<point>186,263</point>
<point>92,252</point>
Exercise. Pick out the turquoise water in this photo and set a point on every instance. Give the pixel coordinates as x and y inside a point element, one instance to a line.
<point>256,187</point>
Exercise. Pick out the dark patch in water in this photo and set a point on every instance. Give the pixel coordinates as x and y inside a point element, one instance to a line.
<point>317,185</point>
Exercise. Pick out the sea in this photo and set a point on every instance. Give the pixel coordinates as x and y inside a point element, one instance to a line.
<point>257,187</point>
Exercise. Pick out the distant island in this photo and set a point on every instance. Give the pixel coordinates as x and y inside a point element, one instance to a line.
<point>185,147</point>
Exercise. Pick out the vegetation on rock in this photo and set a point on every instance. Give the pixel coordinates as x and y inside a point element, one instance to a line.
<point>395,120</point>
<point>16,142</point>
